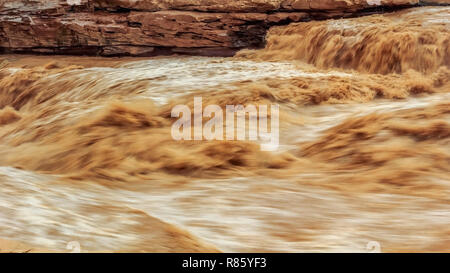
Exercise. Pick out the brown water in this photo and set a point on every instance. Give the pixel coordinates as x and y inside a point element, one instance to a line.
<point>87,155</point>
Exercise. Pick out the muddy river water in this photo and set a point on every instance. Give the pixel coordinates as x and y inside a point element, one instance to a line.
<point>86,153</point>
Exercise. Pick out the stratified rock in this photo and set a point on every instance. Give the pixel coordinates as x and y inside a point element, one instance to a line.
<point>342,4</point>
<point>192,5</point>
<point>137,33</point>
<point>245,5</point>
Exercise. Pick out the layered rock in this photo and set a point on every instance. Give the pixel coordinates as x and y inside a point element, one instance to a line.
<point>246,5</point>
<point>138,33</point>
<point>149,27</point>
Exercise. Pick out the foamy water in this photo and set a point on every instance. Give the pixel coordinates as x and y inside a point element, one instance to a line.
<point>235,215</point>
<point>170,77</point>
<point>87,156</point>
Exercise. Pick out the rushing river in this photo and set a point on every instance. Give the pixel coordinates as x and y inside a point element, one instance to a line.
<point>86,153</point>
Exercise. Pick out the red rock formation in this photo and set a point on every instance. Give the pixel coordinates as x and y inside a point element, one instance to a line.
<point>245,5</point>
<point>148,27</point>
